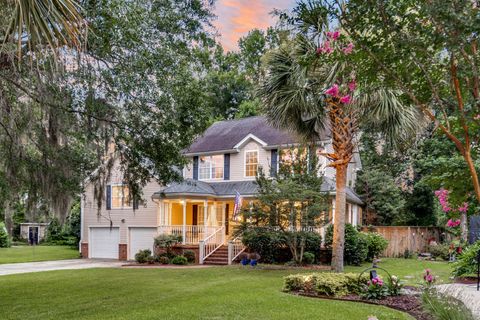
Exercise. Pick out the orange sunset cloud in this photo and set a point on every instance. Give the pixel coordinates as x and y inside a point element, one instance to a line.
<point>237,17</point>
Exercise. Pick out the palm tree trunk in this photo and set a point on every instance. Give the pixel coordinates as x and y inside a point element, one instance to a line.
<point>339,218</point>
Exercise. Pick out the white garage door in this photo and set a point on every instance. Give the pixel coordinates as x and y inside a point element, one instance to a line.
<point>141,239</point>
<point>104,242</point>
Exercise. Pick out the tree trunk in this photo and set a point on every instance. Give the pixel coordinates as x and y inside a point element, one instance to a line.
<point>339,218</point>
<point>8,218</point>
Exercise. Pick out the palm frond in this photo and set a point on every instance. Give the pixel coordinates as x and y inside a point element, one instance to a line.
<point>383,109</point>
<point>45,24</point>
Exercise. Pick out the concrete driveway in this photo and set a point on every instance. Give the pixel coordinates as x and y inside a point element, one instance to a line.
<point>16,268</point>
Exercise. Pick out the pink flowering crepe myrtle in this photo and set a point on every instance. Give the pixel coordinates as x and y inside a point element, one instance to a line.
<point>343,92</point>
<point>442,195</point>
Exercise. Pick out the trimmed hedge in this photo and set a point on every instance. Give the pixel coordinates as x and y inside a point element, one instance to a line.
<point>326,284</point>
<point>356,246</point>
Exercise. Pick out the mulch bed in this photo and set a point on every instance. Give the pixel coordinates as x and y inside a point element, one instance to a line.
<point>466,280</point>
<point>406,303</point>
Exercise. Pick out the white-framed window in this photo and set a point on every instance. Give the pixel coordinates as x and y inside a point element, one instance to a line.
<point>120,196</point>
<point>251,163</point>
<point>210,167</point>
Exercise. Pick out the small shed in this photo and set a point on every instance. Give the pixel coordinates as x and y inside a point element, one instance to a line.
<point>34,232</point>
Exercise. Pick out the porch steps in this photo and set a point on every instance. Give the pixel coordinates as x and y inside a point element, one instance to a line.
<point>219,257</point>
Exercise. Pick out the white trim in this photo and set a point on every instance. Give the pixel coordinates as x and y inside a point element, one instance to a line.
<point>245,163</point>
<point>111,195</point>
<point>248,137</point>
<point>211,153</point>
<point>210,169</point>
<point>81,223</point>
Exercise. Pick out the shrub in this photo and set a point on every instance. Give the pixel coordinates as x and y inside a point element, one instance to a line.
<point>164,260</point>
<point>394,285</point>
<point>190,255</point>
<point>4,238</point>
<point>308,258</point>
<point>167,241</point>
<point>142,256</point>
<point>376,243</point>
<point>180,260</point>
<point>326,284</point>
<point>439,251</point>
<point>466,263</point>
<point>375,290</point>
<point>266,242</point>
<point>356,246</point>
<point>443,307</point>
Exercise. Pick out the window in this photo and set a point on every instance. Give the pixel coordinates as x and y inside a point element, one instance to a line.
<point>120,196</point>
<point>251,163</point>
<point>210,167</point>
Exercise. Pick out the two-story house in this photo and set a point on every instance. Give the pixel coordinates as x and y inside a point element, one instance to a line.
<point>223,164</point>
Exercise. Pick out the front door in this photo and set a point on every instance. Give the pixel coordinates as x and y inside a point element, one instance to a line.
<point>195,214</point>
<point>33,235</point>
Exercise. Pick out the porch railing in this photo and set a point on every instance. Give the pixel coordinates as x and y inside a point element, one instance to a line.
<point>193,234</point>
<point>235,248</point>
<point>211,243</point>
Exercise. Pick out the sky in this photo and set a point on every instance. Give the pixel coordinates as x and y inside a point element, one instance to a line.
<point>236,17</point>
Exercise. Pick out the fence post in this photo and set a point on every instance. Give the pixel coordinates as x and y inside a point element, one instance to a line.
<point>230,252</point>
<point>201,251</point>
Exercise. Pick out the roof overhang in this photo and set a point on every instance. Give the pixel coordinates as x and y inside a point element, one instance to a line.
<point>209,153</point>
<point>248,137</point>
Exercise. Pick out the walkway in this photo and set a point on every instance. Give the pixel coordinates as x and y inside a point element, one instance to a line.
<point>16,268</point>
<point>467,293</point>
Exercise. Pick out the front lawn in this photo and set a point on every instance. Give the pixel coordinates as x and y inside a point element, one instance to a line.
<point>36,253</point>
<point>410,270</point>
<point>204,293</point>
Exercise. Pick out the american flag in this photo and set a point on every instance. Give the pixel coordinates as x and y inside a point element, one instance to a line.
<point>237,205</point>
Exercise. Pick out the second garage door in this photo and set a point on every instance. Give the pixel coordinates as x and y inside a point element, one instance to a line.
<point>104,242</point>
<point>140,239</point>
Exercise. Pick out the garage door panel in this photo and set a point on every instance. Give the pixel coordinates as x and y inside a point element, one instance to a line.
<point>104,242</point>
<point>141,239</point>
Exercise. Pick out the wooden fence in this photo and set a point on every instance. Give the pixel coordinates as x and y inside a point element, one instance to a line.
<point>402,238</point>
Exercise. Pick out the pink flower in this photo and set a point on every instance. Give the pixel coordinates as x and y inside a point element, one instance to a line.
<point>345,99</point>
<point>374,280</point>
<point>463,208</point>
<point>332,91</point>
<point>477,117</point>
<point>380,282</point>
<point>336,35</point>
<point>348,49</point>
<point>427,271</point>
<point>453,223</point>
<point>352,85</point>
<point>319,50</point>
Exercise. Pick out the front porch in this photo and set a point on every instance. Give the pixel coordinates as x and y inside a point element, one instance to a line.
<point>195,220</point>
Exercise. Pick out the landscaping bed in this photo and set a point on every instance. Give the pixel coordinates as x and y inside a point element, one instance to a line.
<point>407,303</point>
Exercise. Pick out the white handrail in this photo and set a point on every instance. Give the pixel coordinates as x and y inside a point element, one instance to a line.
<point>235,248</point>
<point>211,243</point>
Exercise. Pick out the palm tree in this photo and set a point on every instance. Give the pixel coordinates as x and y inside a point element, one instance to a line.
<point>295,96</point>
<point>36,25</point>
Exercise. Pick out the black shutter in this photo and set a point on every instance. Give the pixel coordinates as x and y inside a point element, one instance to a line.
<point>274,163</point>
<point>109,197</point>
<point>226,166</point>
<point>195,168</point>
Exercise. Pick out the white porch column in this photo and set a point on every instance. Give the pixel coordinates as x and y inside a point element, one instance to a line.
<point>355,214</point>
<point>205,212</point>
<point>162,213</point>
<point>224,210</point>
<point>184,221</point>
<point>169,222</point>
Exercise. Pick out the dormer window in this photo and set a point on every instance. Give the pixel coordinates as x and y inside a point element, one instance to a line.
<point>210,167</point>
<point>251,163</point>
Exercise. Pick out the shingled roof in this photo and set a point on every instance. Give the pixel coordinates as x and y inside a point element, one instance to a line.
<point>229,189</point>
<point>224,135</point>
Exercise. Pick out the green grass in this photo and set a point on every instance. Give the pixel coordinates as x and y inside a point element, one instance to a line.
<point>410,270</point>
<point>36,253</point>
<point>206,293</point>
